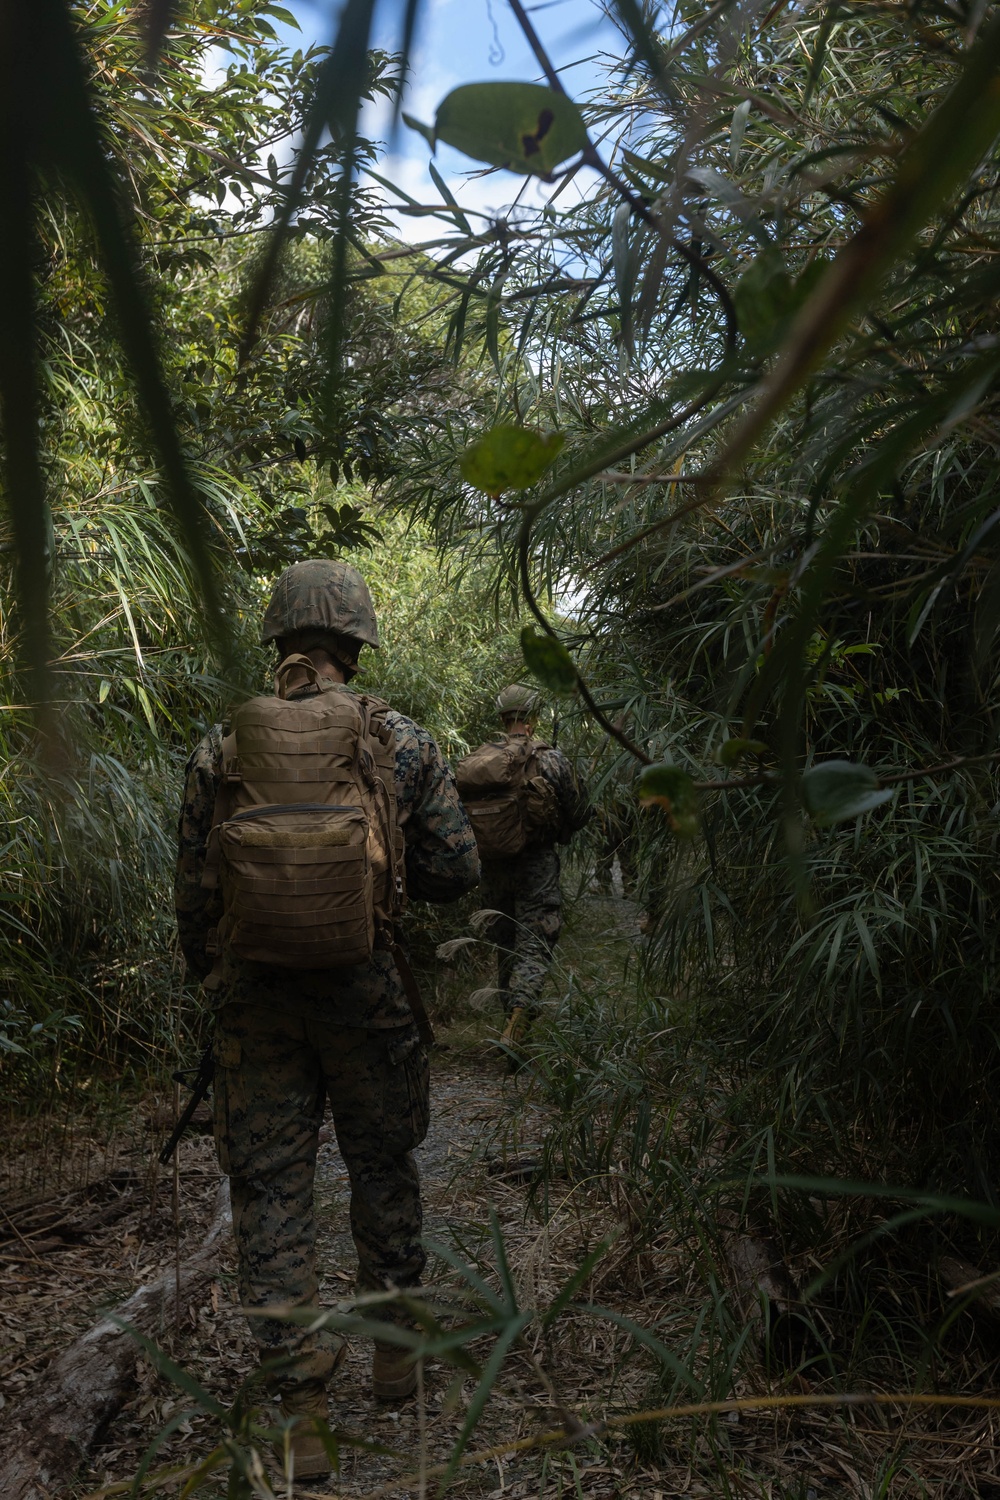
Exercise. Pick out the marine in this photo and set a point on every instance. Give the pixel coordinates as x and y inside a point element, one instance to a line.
<point>524,889</point>
<point>287,1040</point>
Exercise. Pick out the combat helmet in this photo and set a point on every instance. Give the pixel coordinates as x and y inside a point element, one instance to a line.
<point>322,596</point>
<point>517,698</point>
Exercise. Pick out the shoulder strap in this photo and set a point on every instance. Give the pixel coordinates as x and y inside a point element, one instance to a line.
<point>381,743</point>
<point>229,776</point>
<point>413,996</point>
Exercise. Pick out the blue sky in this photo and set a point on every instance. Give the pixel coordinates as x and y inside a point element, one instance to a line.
<point>467,41</point>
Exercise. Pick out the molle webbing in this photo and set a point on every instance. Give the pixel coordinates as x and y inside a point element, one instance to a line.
<point>509,803</point>
<point>305,840</point>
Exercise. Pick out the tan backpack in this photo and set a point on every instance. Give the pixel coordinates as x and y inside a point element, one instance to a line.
<point>304,841</point>
<point>509,803</point>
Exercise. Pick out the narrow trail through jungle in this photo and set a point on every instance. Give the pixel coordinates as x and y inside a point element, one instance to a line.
<point>100,1222</point>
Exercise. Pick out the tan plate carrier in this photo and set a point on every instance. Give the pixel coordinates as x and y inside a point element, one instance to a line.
<point>305,843</point>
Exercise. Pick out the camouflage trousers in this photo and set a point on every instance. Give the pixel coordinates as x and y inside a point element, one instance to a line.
<point>274,1071</point>
<point>525,891</point>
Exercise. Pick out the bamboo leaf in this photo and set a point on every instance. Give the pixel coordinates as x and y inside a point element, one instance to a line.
<point>488,1379</point>
<point>958,133</point>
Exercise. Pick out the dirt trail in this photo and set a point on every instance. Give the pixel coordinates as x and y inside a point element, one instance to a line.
<point>96,1188</point>
<point>482,1123</point>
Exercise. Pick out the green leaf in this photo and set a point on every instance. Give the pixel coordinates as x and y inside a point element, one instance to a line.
<point>570,1288</point>
<point>522,126</point>
<point>642,166</point>
<point>763,300</point>
<point>730,751</point>
<point>509,458</point>
<point>548,660</point>
<point>449,198</point>
<point>649,1341</point>
<point>669,787</point>
<point>838,789</point>
<point>736,131</point>
<point>176,1373</point>
<point>427,131</point>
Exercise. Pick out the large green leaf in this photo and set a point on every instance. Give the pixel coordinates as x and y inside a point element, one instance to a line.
<point>509,458</point>
<point>523,126</point>
<point>673,790</point>
<point>549,661</point>
<point>837,790</point>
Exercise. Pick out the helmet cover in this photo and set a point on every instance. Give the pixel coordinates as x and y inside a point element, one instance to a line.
<point>517,698</point>
<point>322,596</point>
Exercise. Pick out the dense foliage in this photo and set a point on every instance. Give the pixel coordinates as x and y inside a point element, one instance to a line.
<point>820,586</point>
<point>724,410</point>
<point>89,805</point>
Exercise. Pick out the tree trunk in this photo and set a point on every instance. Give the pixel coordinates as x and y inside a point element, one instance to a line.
<point>46,1441</point>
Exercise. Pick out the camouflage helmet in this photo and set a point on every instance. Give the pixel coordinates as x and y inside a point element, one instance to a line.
<point>517,698</point>
<point>322,596</point>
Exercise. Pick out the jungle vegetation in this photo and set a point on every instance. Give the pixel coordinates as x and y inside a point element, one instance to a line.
<point>718,426</point>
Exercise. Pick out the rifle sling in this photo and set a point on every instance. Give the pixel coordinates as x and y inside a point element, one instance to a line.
<point>414,1001</point>
<point>202,1084</point>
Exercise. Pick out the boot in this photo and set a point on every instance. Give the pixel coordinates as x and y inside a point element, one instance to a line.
<point>394,1373</point>
<point>514,1034</point>
<point>305,1406</point>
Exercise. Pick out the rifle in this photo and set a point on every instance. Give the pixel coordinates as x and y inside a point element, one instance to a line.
<point>199,1088</point>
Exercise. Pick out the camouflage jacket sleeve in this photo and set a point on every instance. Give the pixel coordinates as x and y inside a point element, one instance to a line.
<point>442,861</point>
<point>574,803</point>
<point>197,910</point>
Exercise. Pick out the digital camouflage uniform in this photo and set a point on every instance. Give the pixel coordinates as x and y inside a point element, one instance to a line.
<point>525,890</point>
<point>286,1040</point>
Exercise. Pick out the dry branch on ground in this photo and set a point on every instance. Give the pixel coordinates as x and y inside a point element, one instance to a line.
<point>49,1437</point>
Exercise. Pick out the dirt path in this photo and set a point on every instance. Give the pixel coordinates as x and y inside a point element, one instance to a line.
<point>475,1164</point>
<point>82,1172</point>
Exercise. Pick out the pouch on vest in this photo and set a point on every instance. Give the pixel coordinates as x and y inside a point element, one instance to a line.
<point>304,844</point>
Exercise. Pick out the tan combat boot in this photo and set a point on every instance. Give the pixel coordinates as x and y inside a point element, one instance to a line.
<point>514,1034</point>
<point>394,1373</point>
<point>304,1407</point>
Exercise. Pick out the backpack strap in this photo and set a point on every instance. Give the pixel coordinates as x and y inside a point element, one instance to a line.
<point>381,744</point>
<point>292,664</point>
<point>229,776</point>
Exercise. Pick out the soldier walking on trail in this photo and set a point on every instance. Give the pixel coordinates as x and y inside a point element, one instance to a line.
<point>523,797</point>
<point>303,821</point>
